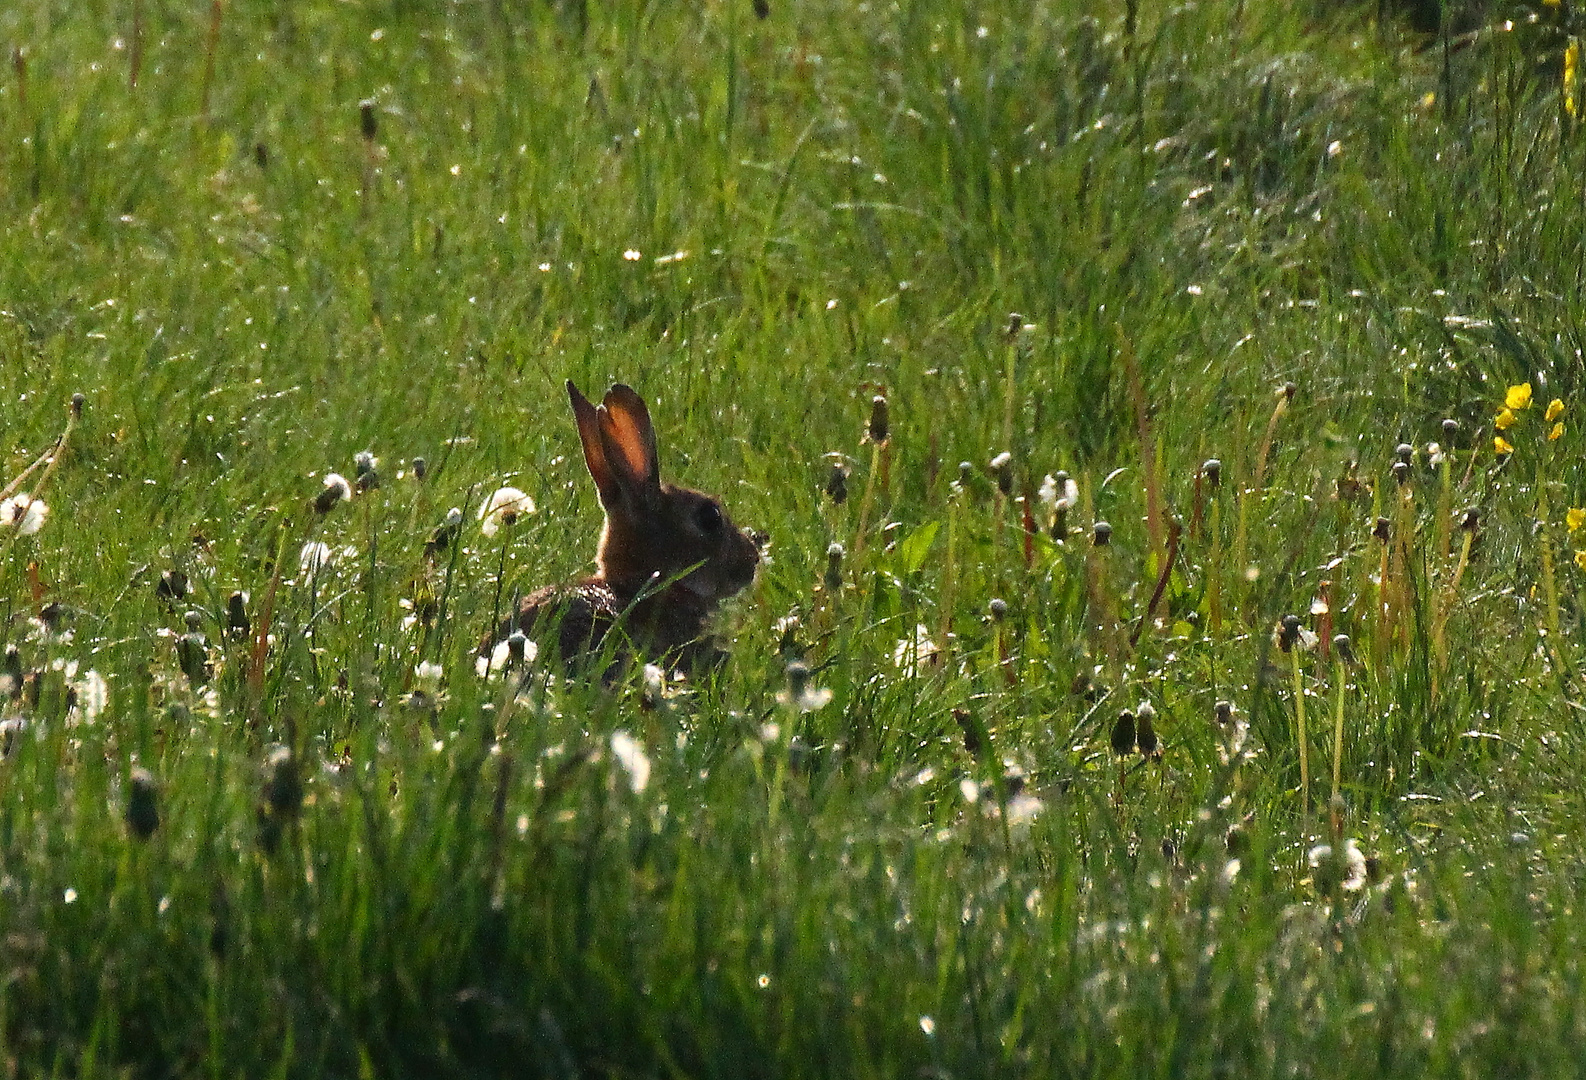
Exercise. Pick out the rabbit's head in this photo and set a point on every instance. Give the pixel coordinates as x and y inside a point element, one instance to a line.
<point>655,533</point>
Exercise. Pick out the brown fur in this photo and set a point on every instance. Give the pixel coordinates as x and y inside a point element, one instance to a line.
<point>667,555</point>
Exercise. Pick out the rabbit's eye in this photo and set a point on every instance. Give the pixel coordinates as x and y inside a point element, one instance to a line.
<point>708,517</point>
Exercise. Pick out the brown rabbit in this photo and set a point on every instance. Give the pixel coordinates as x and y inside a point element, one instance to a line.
<point>667,556</point>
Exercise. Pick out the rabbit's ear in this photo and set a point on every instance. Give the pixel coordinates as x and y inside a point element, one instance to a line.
<point>629,441</point>
<point>594,446</point>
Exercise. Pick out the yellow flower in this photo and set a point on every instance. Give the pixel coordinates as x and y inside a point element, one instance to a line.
<point>1558,429</point>
<point>1580,559</point>
<point>1555,409</point>
<point>1518,397</point>
<point>1500,445</point>
<point>1571,67</point>
<point>1574,517</point>
<point>1505,421</point>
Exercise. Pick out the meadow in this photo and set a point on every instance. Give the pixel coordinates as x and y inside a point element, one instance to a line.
<point>1166,422</point>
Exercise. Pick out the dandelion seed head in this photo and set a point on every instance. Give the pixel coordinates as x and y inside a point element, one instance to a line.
<point>23,514</point>
<point>504,507</point>
<point>1023,809</point>
<point>315,556</point>
<point>93,694</point>
<point>1349,866</point>
<point>630,754</point>
<point>911,652</point>
<point>336,490</point>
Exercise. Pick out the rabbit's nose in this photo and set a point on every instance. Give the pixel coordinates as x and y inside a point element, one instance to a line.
<point>759,538</point>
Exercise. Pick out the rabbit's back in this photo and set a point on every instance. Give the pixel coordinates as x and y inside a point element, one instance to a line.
<point>667,627</point>
<point>574,618</point>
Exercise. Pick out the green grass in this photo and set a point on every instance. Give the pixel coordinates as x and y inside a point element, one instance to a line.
<point>1188,207</point>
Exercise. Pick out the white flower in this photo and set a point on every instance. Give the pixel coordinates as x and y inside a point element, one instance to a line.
<point>208,703</point>
<point>500,660</point>
<point>910,653</point>
<point>800,695</point>
<point>23,513</point>
<point>1233,741</point>
<point>630,754</point>
<point>93,694</point>
<point>336,490</point>
<point>428,674</point>
<point>337,483</point>
<point>1056,494</point>
<point>1047,496</point>
<point>314,557</point>
<point>45,634</point>
<point>1350,865</point>
<point>807,700</point>
<point>1305,639</point>
<point>1024,808</point>
<point>504,507</point>
<point>10,730</point>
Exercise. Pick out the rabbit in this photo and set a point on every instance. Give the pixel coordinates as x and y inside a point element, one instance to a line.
<point>667,557</point>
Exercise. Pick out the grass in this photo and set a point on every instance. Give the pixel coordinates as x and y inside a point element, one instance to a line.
<point>260,239</point>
